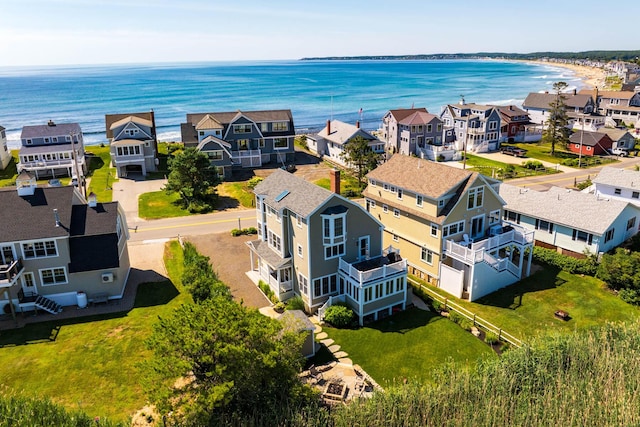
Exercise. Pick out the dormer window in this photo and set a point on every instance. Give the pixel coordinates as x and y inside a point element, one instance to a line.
<point>46,140</point>
<point>29,142</point>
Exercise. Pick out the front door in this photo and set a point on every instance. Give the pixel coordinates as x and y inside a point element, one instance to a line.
<point>28,284</point>
<point>477,227</point>
<point>363,248</point>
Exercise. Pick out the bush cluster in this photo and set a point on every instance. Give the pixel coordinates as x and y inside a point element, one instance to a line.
<point>198,277</point>
<point>533,165</point>
<point>266,289</point>
<point>254,181</point>
<point>243,231</point>
<point>572,265</point>
<point>295,303</point>
<point>339,315</point>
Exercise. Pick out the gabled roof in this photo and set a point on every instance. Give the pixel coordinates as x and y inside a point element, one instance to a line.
<point>131,119</point>
<point>589,138</point>
<point>225,118</point>
<point>615,133</point>
<point>57,129</point>
<point>208,122</point>
<point>623,178</point>
<point>402,113</point>
<point>542,101</point>
<point>110,119</point>
<point>511,111</point>
<point>342,132</point>
<point>574,209</point>
<point>619,94</point>
<point>302,197</point>
<point>420,176</point>
<point>418,118</point>
<point>1,128</point>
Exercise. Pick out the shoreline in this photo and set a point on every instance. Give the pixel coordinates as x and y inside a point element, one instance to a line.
<point>591,77</point>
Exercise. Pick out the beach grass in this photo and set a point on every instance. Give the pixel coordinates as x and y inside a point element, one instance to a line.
<point>92,363</point>
<point>526,309</point>
<point>101,173</point>
<point>408,345</point>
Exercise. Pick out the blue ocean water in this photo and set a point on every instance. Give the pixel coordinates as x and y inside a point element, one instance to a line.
<point>314,90</point>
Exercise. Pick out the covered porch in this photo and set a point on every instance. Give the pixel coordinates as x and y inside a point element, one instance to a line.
<point>272,269</point>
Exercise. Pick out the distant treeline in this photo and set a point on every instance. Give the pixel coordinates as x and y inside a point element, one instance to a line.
<point>594,55</point>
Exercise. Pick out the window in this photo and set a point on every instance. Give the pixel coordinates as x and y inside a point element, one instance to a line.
<point>334,235</point>
<point>399,193</point>
<point>617,191</point>
<point>55,139</point>
<point>303,282</point>
<point>131,132</point>
<point>368,294</point>
<point>29,142</point>
<point>631,223</point>
<point>455,228</point>
<point>280,126</point>
<point>544,226</point>
<point>243,144</point>
<point>429,128</point>
<point>274,240</point>
<point>512,216</point>
<point>300,250</point>
<point>264,127</point>
<point>396,213</point>
<point>440,203</point>
<point>439,127</point>
<point>583,236</point>
<point>280,143</point>
<point>494,217</point>
<point>434,230</point>
<point>635,195</point>
<point>39,249</point>
<point>53,276</point>
<point>46,140</point>
<point>261,143</point>
<point>418,200</point>
<point>325,285</point>
<point>385,209</point>
<point>395,238</point>
<point>609,235</point>
<point>475,198</point>
<point>426,256</point>
<point>246,128</point>
<point>334,251</point>
<point>215,155</point>
<point>493,125</point>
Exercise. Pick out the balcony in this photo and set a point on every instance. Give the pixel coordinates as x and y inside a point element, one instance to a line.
<point>9,273</point>
<point>48,164</point>
<point>472,252</point>
<point>247,158</point>
<point>375,269</point>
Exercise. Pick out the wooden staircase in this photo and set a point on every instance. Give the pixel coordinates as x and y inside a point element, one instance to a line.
<point>48,305</point>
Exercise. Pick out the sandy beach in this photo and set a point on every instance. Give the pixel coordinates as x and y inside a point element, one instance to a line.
<point>591,76</point>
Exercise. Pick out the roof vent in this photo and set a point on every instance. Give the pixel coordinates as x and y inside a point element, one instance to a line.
<point>51,123</point>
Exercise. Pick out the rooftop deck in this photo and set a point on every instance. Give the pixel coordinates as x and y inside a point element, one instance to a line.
<point>375,268</point>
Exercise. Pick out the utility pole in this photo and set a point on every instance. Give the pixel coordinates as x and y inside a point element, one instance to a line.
<point>581,136</point>
<point>80,179</point>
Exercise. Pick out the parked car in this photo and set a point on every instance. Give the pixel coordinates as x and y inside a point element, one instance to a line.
<point>513,151</point>
<point>619,152</point>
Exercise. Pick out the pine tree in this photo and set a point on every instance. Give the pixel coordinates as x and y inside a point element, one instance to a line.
<point>556,131</point>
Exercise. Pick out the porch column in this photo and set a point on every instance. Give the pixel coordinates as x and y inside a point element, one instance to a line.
<point>360,304</point>
<point>406,291</point>
<point>521,256</point>
<point>251,257</point>
<point>529,261</point>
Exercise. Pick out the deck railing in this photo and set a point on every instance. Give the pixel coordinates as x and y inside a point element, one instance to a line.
<point>363,277</point>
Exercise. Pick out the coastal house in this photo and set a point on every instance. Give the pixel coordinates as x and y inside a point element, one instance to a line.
<point>538,105</point>
<point>133,142</point>
<point>471,127</point>
<point>447,224</point>
<point>515,125</point>
<point>590,143</point>
<point>58,249</point>
<point>623,107</point>
<point>621,138</point>
<point>617,184</point>
<point>571,222</point>
<point>52,150</point>
<point>415,131</point>
<point>5,154</point>
<point>324,248</point>
<point>241,139</point>
<point>331,141</point>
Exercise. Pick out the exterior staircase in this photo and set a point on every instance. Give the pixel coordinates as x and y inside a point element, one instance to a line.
<point>48,305</point>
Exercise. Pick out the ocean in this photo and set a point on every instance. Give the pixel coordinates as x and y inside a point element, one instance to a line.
<point>313,90</point>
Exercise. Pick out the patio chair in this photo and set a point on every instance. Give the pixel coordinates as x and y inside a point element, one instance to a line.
<point>466,241</point>
<point>315,375</point>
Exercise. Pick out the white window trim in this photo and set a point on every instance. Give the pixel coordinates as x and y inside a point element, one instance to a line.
<point>419,200</point>
<point>396,213</point>
<point>55,244</point>
<point>299,251</point>
<point>424,259</point>
<point>64,270</point>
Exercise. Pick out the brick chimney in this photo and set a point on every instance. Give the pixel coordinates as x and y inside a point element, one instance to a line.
<point>328,127</point>
<point>335,181</point>
<point>357,124</point>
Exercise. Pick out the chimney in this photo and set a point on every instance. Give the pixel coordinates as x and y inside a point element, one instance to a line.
<point>328,127</point>
<point>357,124</point>
<point>335,181</point>
<point>55,214</point>
<point>51,123</point>
<point>92,200</point>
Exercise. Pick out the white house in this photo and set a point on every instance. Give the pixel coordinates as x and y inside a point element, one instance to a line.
<point>618,184</point>
<point>331,140</point>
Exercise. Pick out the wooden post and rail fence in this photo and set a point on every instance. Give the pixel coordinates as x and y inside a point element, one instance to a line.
<point>477,320</point>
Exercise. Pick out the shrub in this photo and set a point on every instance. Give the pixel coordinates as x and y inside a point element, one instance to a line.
<point>584,184</point>
<point>254,181</point>
<point>437,305</point>
<point>491,338</point>
<point>266,289</point>
<point>456,317</point>
<point>242,231</point>
<point>339,315</point>
<point>631,296</point>
<point>563,262</point>
<point>279,307</point>
<point>236,232</point>
<point>295,303</point>
<point>533,165</point>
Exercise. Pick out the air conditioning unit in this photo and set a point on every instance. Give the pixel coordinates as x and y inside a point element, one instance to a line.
<point>107,277</point>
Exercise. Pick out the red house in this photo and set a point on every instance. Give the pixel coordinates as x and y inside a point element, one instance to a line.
<point>593,143</point>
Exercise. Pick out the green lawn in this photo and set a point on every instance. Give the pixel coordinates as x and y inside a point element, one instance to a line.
<point>91,363</point>
<point>349,186</point>
<point>159,204</point>
<point>526,309</point>
<point>101,173</point>
<point>542,151</point>
<point>408,345</point>
<point>496,169</point>
<point>236,191</point>
<point>9,174</point>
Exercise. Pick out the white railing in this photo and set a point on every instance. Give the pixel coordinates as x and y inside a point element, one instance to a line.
<point>374,274</point>
<point>48,163</point>
<point>332,300</point>
<point>245,153</point>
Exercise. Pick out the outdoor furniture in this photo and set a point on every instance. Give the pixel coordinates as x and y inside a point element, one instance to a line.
<point>562,315</point>
<point>315,375</point>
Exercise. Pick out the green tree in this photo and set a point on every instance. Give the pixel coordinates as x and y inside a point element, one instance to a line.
<point>556,131</point>
<point>193,178</point>
<point>358,154</point>
<point>219,358</point>
<point>620,270</point>
<point>199,278</point>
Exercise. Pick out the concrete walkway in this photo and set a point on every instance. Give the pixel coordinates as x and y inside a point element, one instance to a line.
<point>126,191</point>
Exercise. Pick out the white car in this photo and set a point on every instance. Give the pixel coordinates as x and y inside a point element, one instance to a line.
<point>619,152</point>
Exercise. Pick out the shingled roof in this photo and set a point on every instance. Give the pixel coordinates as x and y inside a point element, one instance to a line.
<point>542,101</point>
<point>623,178</point>
<point>111,119</point>
<point>402,113</point>
<point>50,130</point>
<point>590,139</point>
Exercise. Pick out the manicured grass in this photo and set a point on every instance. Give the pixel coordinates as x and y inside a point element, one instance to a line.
<point>101,173</point>
<point>542,151</point>
<point>159,204</point>
<point>408,345</point>
<point>9,174</point>
<point>238,191</point>
<point>349,186</point>
<point>91,363</point>
<point>495,169</point>
<point>526,309</point>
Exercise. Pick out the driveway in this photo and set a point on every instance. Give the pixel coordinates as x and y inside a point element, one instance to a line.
<point>229,257</point>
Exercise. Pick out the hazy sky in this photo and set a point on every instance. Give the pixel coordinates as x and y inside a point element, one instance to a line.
<point>52,32</point>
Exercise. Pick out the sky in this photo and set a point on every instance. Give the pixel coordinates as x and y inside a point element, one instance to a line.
<point>71,32</point>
